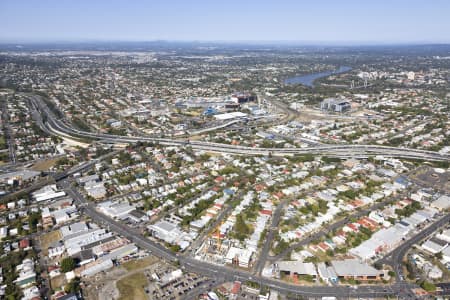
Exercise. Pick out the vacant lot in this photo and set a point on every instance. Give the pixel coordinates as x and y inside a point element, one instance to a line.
<point>49,239</point>
<point>132,287</point>
<point>140,263</point>
<point>44,165</point>
<point>57,281</point>
<point>427,176</point>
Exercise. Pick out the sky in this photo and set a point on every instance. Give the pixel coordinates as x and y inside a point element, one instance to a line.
<point>333,21</point>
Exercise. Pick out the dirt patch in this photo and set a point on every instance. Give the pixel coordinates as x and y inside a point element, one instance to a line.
<point>140,263</point>
<point>48,239</point>
<point>44,165</point>
<point>58,281</point>
<point>132,287</point>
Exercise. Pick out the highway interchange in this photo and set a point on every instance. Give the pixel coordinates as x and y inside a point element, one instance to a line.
<point>59,127</point>
<point>47,120</point>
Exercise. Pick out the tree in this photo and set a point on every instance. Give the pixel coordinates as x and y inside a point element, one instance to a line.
<point>241,228</point>
<point>428,286</point>
<point>175,248</point>
<point>281,246</point>
<point>67,264</point>
<point>378,265</point>
<point>33,220</point>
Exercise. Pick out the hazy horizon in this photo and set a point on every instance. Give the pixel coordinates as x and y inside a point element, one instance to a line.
<point>320,22</point>
<point>228,42</point>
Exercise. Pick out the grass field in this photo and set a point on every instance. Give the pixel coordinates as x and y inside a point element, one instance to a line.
<point>132,287</point>
<point>138,264</point>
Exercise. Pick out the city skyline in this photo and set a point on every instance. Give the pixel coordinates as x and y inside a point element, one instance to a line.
<point>320,22</point>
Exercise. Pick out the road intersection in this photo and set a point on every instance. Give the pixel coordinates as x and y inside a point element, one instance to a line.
<point>220,273</point>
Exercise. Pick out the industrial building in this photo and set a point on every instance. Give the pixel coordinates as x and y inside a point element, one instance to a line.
<point>48,192</point>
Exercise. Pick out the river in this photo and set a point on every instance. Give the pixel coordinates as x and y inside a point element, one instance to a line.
<point>309,79</point>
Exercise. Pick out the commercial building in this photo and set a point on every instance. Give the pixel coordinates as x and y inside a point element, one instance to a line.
<point>239,257</point>
<point>75,243</point>
<point>297,268</point>
<point>335,105</point>
<point>388,238</point>
<point>21,175</point>
<point>243,98</point>
<point>326,273</point>
<point>165,231</point>
<point>170,277</point>
<point>355,269</point>
<point>170,233</point>
<point>231,115</point>
<point>115,209</point>
<point>121,252</point>
<point>73,229</point>
<point>108,246</point>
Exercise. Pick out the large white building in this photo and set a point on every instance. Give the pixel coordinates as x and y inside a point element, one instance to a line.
<point>48,192</point>
<point>238,256</point>
<point>335,105</point>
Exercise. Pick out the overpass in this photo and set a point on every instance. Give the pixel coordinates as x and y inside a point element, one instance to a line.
<point>61,128</point>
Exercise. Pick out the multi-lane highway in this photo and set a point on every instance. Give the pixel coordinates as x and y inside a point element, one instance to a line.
<point>59,127</point>
<point>217,272</point>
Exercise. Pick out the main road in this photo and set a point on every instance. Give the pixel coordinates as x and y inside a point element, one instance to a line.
<point>217,272</point>
<point>222,273</point>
